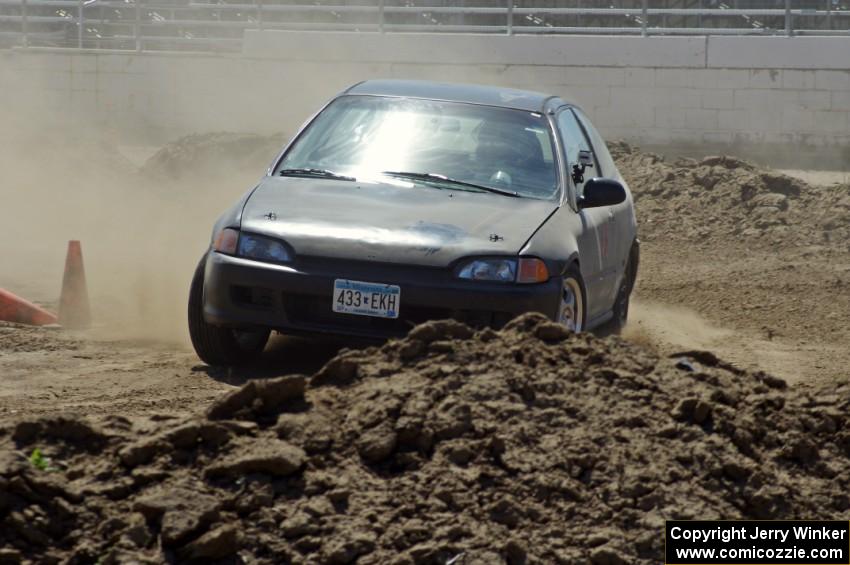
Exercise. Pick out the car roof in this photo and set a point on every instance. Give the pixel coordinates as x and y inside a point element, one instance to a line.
<point>468,93</point>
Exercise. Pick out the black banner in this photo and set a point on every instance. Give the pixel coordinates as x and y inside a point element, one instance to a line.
<point>757,542</point>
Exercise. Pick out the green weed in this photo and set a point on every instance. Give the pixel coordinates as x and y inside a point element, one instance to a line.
<point>40,462</point>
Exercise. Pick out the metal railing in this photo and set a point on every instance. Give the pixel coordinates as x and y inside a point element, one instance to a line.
<point>200,26</point>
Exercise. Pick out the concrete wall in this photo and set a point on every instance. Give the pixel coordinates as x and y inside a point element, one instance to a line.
<point>744,91</point>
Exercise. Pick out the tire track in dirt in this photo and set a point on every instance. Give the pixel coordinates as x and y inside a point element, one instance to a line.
<point>674,328</point>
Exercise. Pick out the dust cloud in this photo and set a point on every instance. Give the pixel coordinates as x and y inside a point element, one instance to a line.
<point>141,234</point>
<point>652,323</point>
<point>669,330</point>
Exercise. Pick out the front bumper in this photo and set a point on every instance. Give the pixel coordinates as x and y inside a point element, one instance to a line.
<point>297,299</point>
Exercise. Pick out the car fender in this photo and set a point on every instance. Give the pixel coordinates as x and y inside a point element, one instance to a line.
<point>556,241</point>
<point>232,217</point>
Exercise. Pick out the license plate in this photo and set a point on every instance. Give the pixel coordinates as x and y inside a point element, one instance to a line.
<point>366,299</point>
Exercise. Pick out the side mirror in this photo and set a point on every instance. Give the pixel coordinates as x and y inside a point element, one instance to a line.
<point>601,192</point>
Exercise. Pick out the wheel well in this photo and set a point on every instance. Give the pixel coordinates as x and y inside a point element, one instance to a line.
<point>573,260</point>
<point>634,262</point>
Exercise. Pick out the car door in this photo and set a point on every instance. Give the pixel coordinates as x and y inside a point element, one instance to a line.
<point>594,240</point>
<point>620,231</point>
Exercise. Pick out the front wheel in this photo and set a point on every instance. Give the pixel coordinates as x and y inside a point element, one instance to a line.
<point>216,345</point>
<point>572,309</point>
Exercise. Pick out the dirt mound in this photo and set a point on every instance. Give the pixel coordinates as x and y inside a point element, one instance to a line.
<point>212,152</point>
<point>722,197</point>
<point>524,445</point>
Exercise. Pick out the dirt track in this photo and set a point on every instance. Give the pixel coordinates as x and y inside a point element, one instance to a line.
<point>48,370</point>
<point>759,260</point>
<point>750,265</point>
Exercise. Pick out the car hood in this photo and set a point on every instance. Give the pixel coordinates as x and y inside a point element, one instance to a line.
<point>395,222</point>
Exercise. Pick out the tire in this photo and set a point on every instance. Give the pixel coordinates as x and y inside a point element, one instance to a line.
<point>623,299</point>
<point>574,299</point>
<point>621,305</point>
<point>217,345</point>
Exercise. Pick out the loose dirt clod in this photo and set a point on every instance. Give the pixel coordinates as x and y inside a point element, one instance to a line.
<point>526,445</point>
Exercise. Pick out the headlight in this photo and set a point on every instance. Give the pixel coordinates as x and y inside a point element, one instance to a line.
<point>524,270</point>
<point>501,270</point>
<point>262,249</point>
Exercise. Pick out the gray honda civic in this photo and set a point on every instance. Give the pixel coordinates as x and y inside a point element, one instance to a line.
<point>406,201</point>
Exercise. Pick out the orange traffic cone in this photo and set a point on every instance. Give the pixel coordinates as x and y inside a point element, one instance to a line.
<point>15,309</point>
<point>74,310</point>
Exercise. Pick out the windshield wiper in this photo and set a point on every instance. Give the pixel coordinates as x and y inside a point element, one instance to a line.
<point>442,178</point>
<point>308,172</point>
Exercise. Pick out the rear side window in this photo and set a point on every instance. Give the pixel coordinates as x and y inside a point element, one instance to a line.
<point>603,157</point>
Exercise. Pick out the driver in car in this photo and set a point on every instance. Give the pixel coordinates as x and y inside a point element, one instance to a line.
<point>509,155</point>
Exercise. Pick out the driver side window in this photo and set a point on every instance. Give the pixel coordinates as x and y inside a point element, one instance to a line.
<point>573,139</point>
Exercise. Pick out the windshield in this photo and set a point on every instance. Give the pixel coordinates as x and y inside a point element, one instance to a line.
<point>368,136</point>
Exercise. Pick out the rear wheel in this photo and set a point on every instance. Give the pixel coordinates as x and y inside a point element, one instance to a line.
<point>216,345</point>
<point>624,293</point>
<point>572,309</point>
<point>621,306</point>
